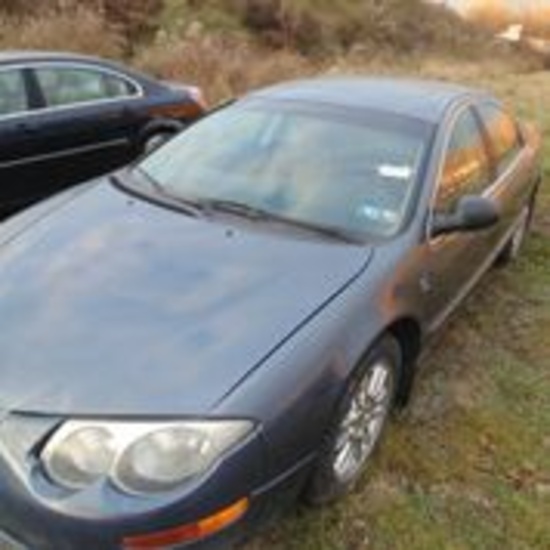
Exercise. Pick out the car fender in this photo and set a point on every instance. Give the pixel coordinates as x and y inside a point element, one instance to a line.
<point>295,392</point>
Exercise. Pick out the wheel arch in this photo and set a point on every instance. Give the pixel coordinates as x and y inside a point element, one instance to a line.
<point>159,125</point>
<point>408,333</point>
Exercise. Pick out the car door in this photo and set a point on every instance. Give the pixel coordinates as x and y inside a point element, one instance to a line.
<point>454,261</point>
<point>87,121</point>
<point>19,142</point>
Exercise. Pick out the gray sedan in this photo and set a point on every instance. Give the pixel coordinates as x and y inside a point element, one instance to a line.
<point>189,344</point>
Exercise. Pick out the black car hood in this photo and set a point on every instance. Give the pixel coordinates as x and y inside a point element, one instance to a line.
<point>112,305</point>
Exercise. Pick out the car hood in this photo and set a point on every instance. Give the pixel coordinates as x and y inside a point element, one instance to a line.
<point>112,305</point>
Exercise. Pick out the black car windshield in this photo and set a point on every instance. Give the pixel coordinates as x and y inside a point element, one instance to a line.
<point>350,170</point>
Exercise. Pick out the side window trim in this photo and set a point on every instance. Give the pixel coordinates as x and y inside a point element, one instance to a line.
<point>40,107</point>
<point>34,94</point>
<point>136,90</point>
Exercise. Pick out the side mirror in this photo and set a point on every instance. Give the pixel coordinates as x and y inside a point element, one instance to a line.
<point>472,213</point>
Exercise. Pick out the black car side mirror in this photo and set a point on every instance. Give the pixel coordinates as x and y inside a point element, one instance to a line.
<point>472,213</point>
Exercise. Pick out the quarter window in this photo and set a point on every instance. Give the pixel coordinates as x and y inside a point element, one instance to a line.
<point>467,167</point>
<point>13,93</point>
<point>503,133</point>
<point>67,86</point>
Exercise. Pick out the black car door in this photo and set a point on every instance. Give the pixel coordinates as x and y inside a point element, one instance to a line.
<point>454,261</point>
<point>20,143</point>
<point>87,121</point>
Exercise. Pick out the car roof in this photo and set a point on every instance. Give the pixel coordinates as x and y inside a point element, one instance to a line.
<point>26,56</point>
<point>422,99</point>
<point>16,57</point>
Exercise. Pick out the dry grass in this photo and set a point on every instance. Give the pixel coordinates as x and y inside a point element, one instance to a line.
<point>230,65</point>
<point>319,27</point>
<point>223,66</point>
<point>81,30</point>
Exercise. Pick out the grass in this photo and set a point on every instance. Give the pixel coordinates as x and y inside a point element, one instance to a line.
<point>467,465</point>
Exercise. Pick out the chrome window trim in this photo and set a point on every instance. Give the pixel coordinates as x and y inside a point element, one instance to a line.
<point>36,65</point>
<point>120,142</point>
<point>450,125</point>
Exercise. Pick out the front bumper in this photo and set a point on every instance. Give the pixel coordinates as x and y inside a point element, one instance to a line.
<point>99,521</point>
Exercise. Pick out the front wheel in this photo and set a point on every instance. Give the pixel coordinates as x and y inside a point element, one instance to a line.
<point>359,423</point>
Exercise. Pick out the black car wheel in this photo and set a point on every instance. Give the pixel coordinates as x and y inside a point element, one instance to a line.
<point>359,423</point>
<point>154,141</point>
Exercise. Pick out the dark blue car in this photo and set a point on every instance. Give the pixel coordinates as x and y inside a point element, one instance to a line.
<point>225,326</point>
<point>66,118</point>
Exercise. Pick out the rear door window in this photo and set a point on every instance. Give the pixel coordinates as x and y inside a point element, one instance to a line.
<point>13,93</point>
<point>503,134</point>
<point>70,86</point>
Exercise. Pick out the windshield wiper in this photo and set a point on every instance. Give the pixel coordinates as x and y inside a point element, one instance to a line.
<point>208,206</point>
<point>188,205</point>
<point>255,213</point>
<point>237,208</point>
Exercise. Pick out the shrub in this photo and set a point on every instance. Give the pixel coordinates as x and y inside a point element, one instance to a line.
<point>80,30</point>
<point>135,18</point>
<point>222,65</point>
<point>27,7</point>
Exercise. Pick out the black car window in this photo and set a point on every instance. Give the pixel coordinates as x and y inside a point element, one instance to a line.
<point>467,168</point>
<point>13,93</point>
<point>67,86</point>
<point>503,134</point>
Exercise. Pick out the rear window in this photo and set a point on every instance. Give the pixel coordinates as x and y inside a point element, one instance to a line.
<point>13,93</point>
<point>68,86</point>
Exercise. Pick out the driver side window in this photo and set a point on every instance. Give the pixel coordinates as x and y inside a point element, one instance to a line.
<point>467,168</point>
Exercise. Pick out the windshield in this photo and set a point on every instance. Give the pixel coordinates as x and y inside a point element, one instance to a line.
<point>318,165</point>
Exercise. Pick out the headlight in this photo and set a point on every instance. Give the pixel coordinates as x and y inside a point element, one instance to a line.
<point>138,457</point>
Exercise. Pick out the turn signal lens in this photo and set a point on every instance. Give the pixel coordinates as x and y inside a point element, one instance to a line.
<point>191,532</point>
<point>198,96</point>
<point>188,109</point>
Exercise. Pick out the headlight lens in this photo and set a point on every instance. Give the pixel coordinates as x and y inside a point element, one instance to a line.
<point>81,458</point>
<point>138,457</point>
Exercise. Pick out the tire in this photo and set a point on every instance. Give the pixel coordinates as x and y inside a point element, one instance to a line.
<point>155,140</point>
<point>513,247</point>
<point>353,438</point>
